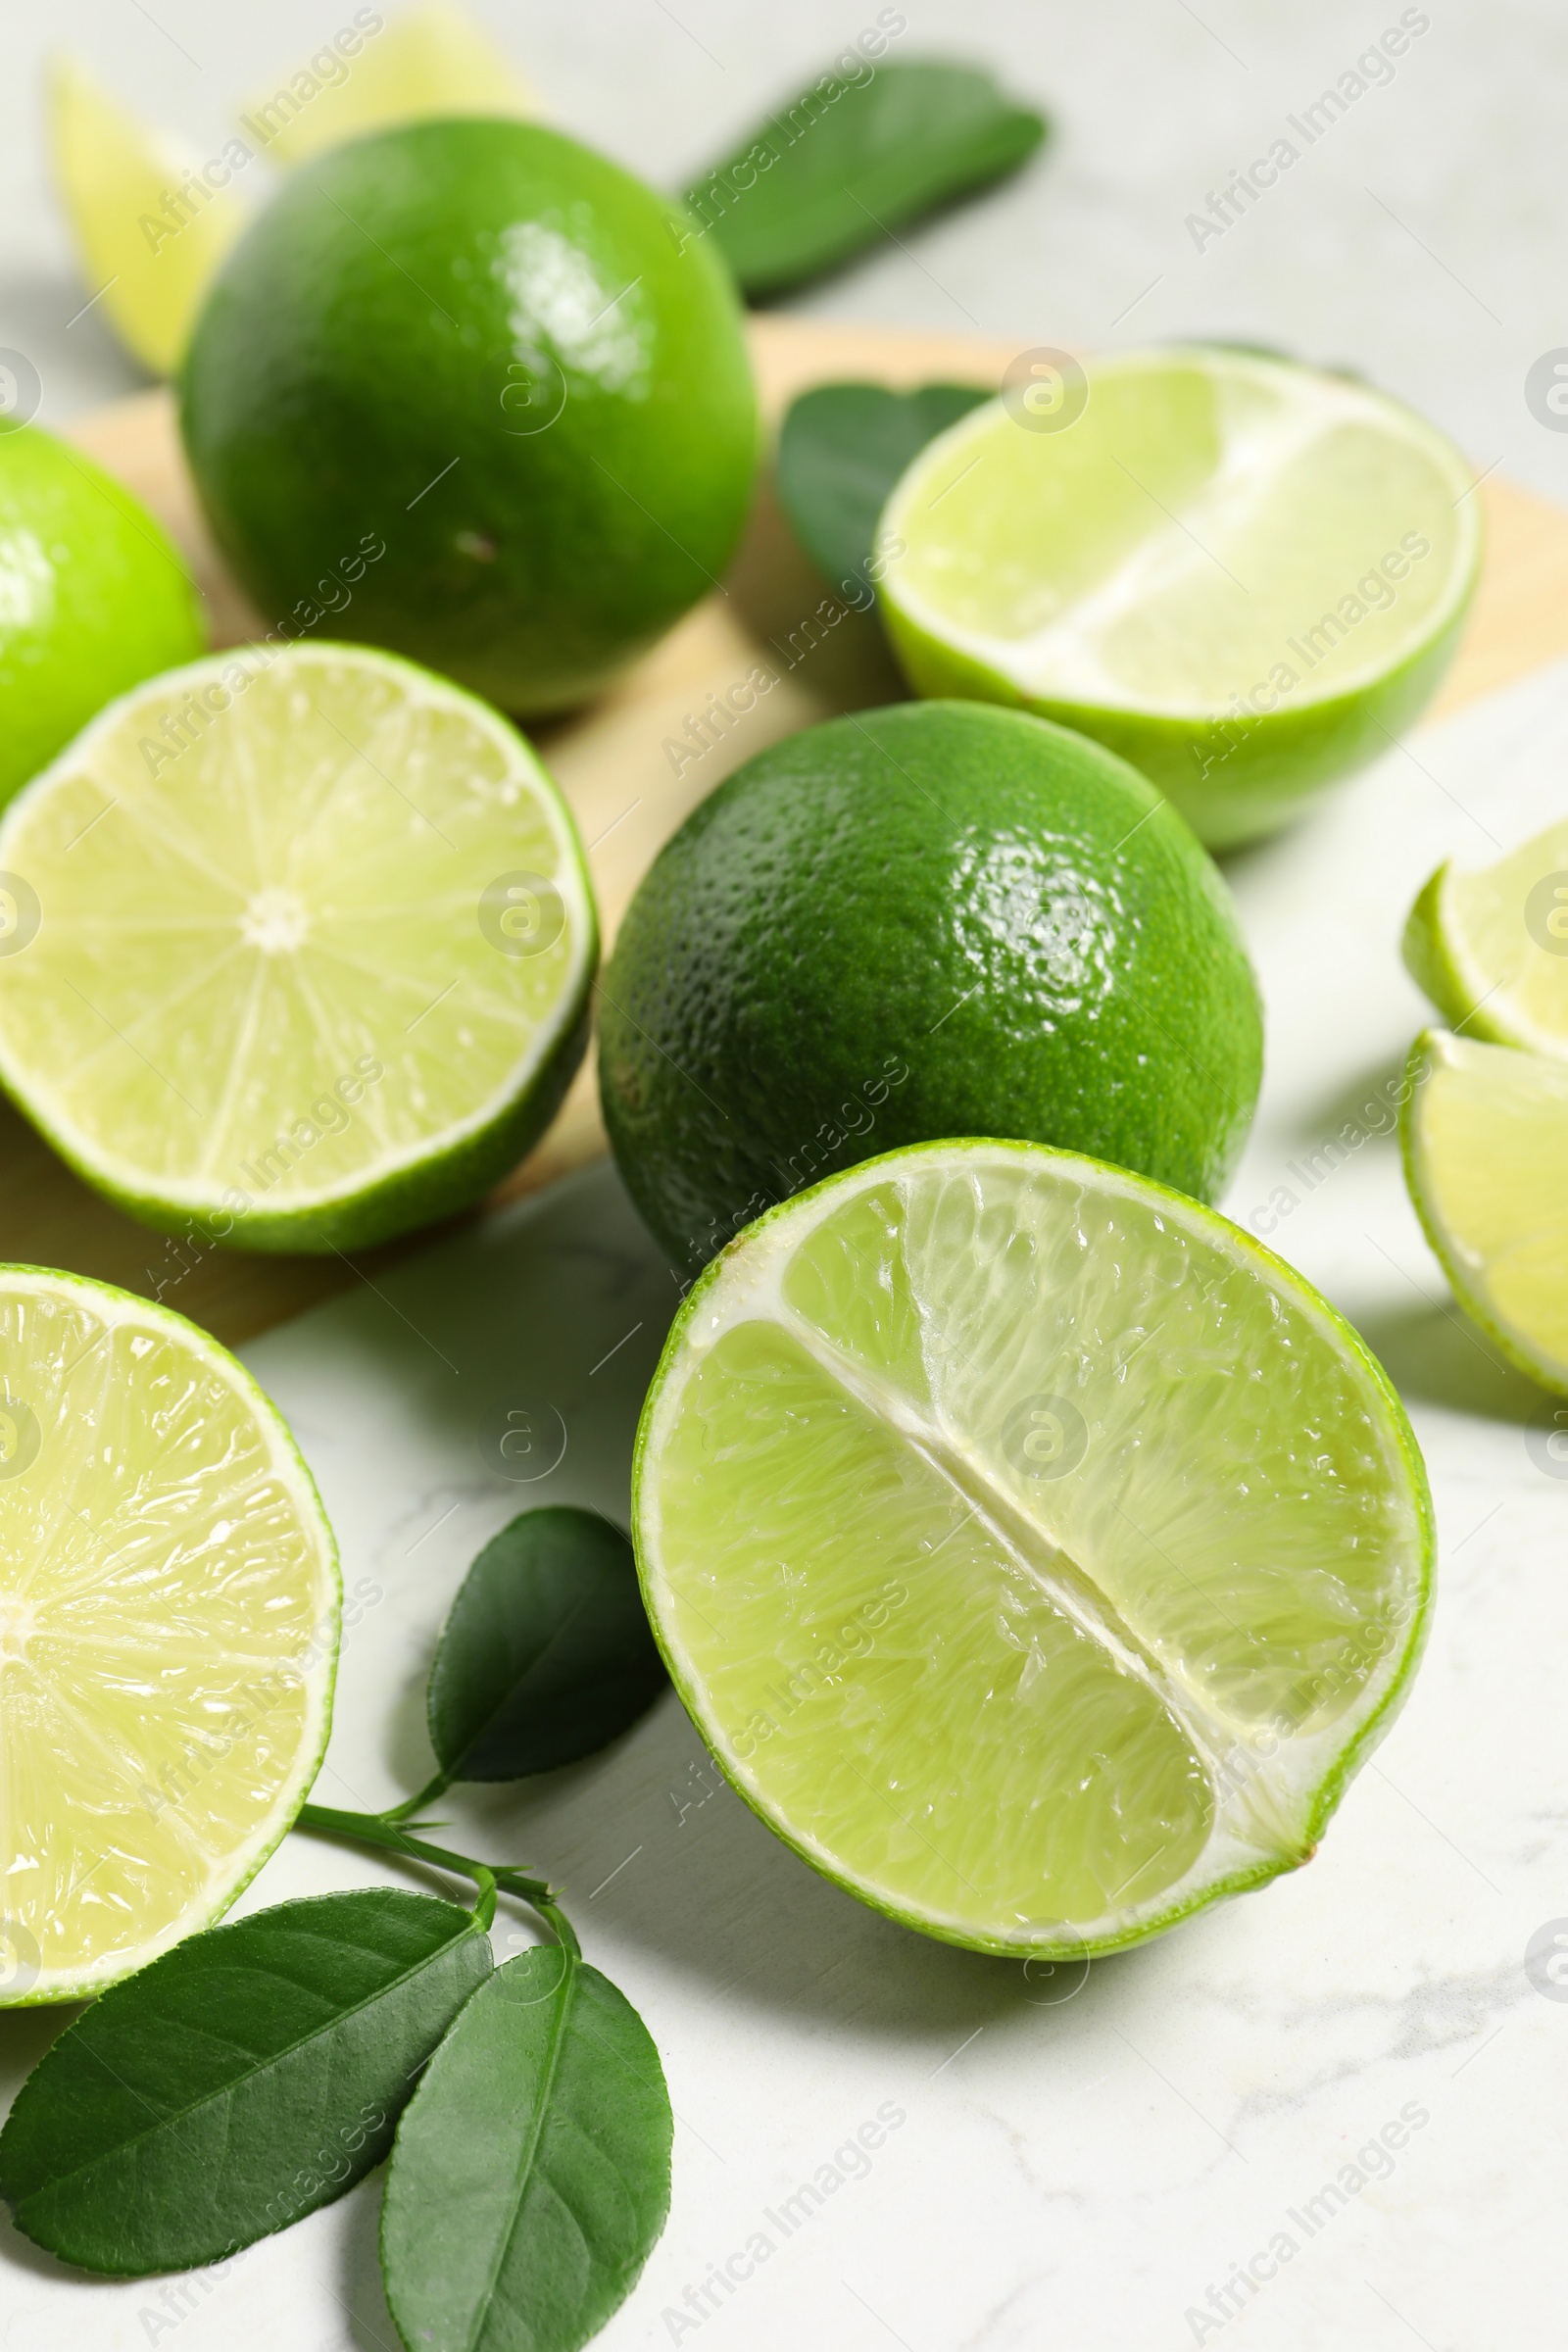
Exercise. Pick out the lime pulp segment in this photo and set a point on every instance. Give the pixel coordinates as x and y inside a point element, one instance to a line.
<point>1485,1130</point>
<point>300,947</point>
<point>169,1622</point>
<point>1036,1554</point>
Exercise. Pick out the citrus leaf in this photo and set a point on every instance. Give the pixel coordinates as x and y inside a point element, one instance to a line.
<point>851,160</point>
<point>249,2075</point>
<point>530,2175</point>
<point>841,448</point>
<point>546,1654</point>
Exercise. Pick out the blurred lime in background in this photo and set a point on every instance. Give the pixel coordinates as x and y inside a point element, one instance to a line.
<point>93,597</point>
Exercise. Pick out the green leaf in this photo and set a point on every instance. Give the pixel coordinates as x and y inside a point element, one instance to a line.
<point>547,1652</point>
<point>841,448</point>
<point>246,2078</point>
<point>530,2175</point>
<point>854,159</point>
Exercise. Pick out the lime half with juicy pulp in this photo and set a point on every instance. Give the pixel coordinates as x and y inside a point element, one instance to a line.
<point>295,948</point>
<point>1244,575</point>
<point>1485,1131</point>
<point>1036,1554</point>
<point>1491,948</point>
<point>169,1628</point>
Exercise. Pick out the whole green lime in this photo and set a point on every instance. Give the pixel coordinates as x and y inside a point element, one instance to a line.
<point>93,599</point>
<point>942,919</point>
<point>468,391</point>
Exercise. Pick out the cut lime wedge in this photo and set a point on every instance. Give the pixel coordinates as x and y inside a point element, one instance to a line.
<point>1242,574</point>
<point>1491,948</point>
<point>152,220</point>
<point>1485,1131</point>
<point>168,1624</point>
<point>1036,1554</point>
<point>431,60</point>
<point>298,949</point>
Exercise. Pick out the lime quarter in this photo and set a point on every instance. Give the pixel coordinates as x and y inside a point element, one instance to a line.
<point>1485,1131</point>
<point>152,219</point>
<point>1491,948</point>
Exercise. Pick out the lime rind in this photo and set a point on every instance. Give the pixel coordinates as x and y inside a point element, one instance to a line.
<point>1428,958</point>
<point>1237,769</point>
<point>1436,1053</point>
<point>116,1305</point>
<point>96,596</point>
<point>744,1270</point>
<point>409,1184</point>
<point>1477,949</point>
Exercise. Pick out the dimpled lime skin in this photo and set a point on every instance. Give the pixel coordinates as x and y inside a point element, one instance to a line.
<point>941,919</point>
<point>377,362</point>
<point>93,599</point>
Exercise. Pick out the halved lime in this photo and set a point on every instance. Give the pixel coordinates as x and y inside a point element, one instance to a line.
<point>1036,1554</point>
<point>1485,1131</point>
<point>169,1627</point>
<point>298,949</point>
<point>1242,574</point>
<point>152,219</point>
<point>1491,948</point>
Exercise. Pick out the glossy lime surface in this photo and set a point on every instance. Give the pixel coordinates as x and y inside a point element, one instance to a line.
<point>470,392</point>
<point>938,919</point>
<point>92,597</point>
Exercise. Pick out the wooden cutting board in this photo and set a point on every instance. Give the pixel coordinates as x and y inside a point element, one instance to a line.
<point>612,763</point>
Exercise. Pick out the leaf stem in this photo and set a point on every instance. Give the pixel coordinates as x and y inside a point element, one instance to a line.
<point>385,1830</point>
<point>561,1928</point>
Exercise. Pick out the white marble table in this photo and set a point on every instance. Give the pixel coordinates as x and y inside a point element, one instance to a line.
<point>1345,2088</point>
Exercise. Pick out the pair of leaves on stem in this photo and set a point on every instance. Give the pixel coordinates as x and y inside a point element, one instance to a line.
<point>854,157</point>
<point>257,2071</point>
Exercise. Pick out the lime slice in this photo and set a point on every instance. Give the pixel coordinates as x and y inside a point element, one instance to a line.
<point>1243,575</point>
<point>1491,948</point>
<point>296,949</point>
<point>435,60</point>
<point>169,1624</point>
<point>1485,1131</point>
<point>152,220</point>
<point>1036,1554</point>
